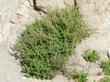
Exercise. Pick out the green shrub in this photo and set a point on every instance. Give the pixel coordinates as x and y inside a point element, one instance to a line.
<point>91,55</point>
<point>46,44</point>
<point>81,76</point>
<point>106,67</point>
<point>105,79</point>
<point>94,81</point>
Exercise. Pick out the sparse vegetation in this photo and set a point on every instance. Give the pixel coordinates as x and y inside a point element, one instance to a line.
<point>46,44</point>
<point>106,67</point>
<point>91,55</point>
<point>81,76</point>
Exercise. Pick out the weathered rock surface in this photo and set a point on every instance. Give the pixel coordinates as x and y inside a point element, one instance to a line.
<point>16,14</point>
<point>96,14</point>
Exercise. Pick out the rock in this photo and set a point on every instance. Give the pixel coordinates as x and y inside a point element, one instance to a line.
<point>14,15</point>
<point>94,69</point>
<point>69,2</point>
<point>104,55</point>
<point>17,56</point>
<point>16,18</point>
<point>77,60</point>
<point>94,78</point>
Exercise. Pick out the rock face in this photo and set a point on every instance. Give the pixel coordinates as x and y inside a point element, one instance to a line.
<point>96,11</point>
<point>16,14</point>
<point>96,14</point>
